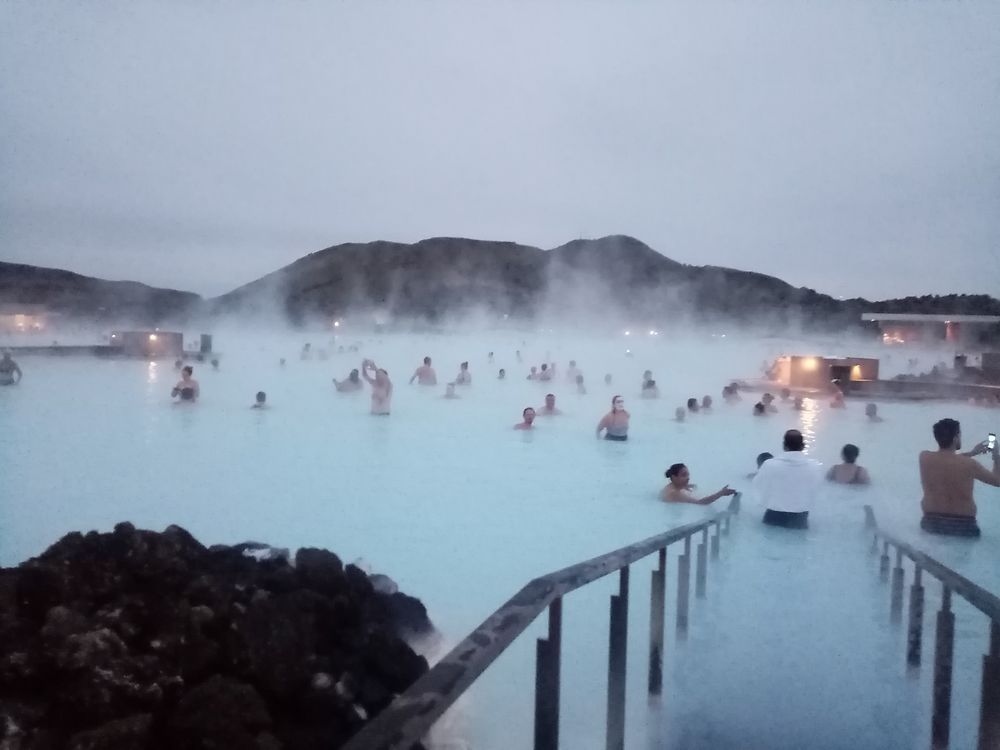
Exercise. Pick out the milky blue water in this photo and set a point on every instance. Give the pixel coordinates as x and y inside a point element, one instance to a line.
<point>792,645</point>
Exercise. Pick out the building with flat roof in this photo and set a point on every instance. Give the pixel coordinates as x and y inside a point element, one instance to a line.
<point>23,318</point>
<point>907,328</point>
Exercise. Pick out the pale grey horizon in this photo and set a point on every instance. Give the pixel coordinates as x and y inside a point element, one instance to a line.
<point>850,147</point>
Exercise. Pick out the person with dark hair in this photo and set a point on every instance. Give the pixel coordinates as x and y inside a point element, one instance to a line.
<point>706,403</point>
<point>549,410</point>
<point>464,377</point>
<point>545,374</point>
<point>650,390</point>
<point>502,374</point>
<point>759,410</point>
<point>8,369</point>
<point>351,383</point>
<point>786,393</point>
<point>614,424</point>
<point>425,374</point>
<point>768,400</point>
<point>692,404</point>
<point>527,419</point>
<point>580,387</point>
<point>761,458</point>
<point>849,472</point>
<point>871,411</point>
<point>187,387</point>
<point>680,490</point>
<point>948,477</point>
<point>786,485</point>
<point>261,401</point>
<point>607,379</point>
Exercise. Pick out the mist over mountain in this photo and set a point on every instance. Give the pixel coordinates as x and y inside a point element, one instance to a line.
<point>444,278</point>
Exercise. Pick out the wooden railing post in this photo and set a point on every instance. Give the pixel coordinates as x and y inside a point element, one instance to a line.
<point>617,653</point>
<point>944,649</point>
<point>683,588</point>
<point>701,570</point>
<point>657,615</point>
<point>989,698</point>
<point>715,541</point>
<point>896,607</point>
<point>547,682</point>
<point>915,628</point>
<point>883,567</point>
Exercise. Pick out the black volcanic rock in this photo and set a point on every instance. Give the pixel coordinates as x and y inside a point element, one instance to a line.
<point>137,639</point>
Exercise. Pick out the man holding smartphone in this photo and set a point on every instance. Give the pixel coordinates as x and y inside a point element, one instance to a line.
<point>948,477</point>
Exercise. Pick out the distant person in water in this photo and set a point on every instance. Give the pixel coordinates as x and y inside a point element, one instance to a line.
<point>580,387</point>
<point>785,394</point>
<point>517,354</point>
<point>378,379</point>
<point>787,485</point>
<point>464,377</point>
<point>187,388</point>
<point>425,374</point>
<point>449,391</point>
<point>607,379</point>
<point>215,364</point>
<point>647,376</point>
<point>650,390</point>
<point>692,404</point>
<point>761,458</point>
<point>178,364</point>
<point>502,374</point>
<point>281,362</point>
<point>549,410</point>
<point>680,414</point>
<point>768,400</point>
<point>572,372</point>
<point>489,358</point>
<point>798,404</point>
<point>614,424</point>
<point>849,472</point>
<point>730,395</point>
<point>680,490</point>
<point>306,351</point>
<point>706,403</point>
<point>351,383</point>
<point>871,411</point>
<point>261,401</point>
<point>837,400</point>
<point>948,478</point>
<point>10,372</point>
<point>759,410</point>
<point>527,419</point>
<point>533,375</point>
<point>546,373</point>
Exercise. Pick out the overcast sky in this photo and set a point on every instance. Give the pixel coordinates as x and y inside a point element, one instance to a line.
<point>853,147</point>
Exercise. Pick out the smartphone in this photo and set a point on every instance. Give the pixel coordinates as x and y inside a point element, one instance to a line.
<point>991,441</point>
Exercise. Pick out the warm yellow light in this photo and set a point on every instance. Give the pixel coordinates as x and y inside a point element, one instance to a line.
<point>856,372</point>
<point>810,363</point>
<point>152,337</point>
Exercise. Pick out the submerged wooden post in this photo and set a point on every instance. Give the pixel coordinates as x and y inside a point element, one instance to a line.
<point>896,607</point>
<point>944,650</point>
<point>701,568</point>
<point>617,652</point>
<point>915,628</point>
<point>883,567</point>
<point>989,698</point>
<point>657,615</point>
<point>683,585</point>
<point>547,682</point>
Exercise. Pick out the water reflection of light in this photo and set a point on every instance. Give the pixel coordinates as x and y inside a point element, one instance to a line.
<point>151,373</point>
<point>808,418</point>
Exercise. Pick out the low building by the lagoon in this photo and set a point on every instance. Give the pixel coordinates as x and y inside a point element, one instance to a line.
<point>910,328</point>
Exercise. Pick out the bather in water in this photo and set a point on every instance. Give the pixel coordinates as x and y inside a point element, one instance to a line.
<point>680,489</point>
<point>381,387</point>
<point>10,373</point>
<point>614,424</point>
<point>187,388</point>
<point>351,383</point>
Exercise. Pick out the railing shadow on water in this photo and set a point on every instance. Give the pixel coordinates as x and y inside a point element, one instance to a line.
<point>944,641</point>
<point>410,717</point>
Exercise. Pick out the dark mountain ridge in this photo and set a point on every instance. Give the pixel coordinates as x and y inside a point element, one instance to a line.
<point>443,276</point>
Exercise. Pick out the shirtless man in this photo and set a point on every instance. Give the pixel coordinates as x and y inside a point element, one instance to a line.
<point>464,377</point>
<point>871,411</point>
<point>527,420</point>
<point>549,410</point>
<point>351,383</point>
<point>546,373</point>
<point>948,477</point>
<point>381,387</point>
<point>8,369</point>
<point>425,374</point>
<point>680,489</point>
<point>533,375</point>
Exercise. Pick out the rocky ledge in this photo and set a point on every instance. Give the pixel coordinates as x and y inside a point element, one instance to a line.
<point>138,639</point>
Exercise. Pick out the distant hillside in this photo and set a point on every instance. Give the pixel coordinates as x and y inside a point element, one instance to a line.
<point>441,276</point>
<point>429,280</point>
<point>88,298</point>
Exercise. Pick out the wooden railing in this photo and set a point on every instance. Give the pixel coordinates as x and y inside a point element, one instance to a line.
<point>408,719</point>
<point>952,582</point>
